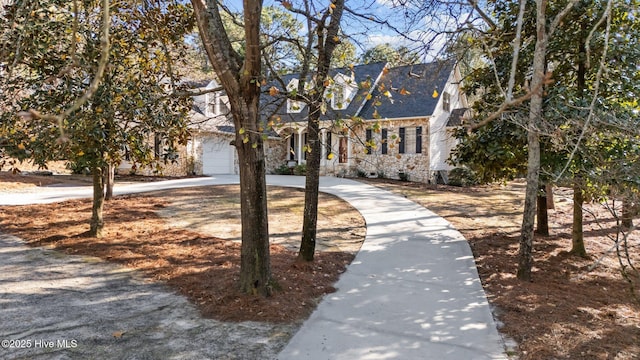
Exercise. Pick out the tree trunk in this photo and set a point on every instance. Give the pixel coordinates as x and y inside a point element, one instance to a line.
<point>577,234</point>
<point>326,44</point>
<point>629,211</point>
<point>97,221</point>
<point>109,176</point>
<point>240,77</point>
<point>525,256</point>
<point>542,224</point>
<point>255,270</point>
<point>312,182</point>
<point>549,192</point>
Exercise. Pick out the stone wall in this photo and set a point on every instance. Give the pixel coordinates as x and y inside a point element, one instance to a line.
<point>390,165</point>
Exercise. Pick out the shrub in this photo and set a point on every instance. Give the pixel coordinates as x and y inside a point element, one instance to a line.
<point>463,176</point>
<point>282,170</point>
<point>300,169</point>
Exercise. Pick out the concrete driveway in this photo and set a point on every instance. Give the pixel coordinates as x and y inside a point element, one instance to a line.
<point>412,292</point>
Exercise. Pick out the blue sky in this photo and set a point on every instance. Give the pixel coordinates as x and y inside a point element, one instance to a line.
<point>369,34</point>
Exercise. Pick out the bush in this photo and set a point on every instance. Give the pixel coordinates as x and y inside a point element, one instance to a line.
<point>463,176</point>
<point>362,173</point>
<point>282,170</point>
<point>300,169</point>
<point>403,176</point>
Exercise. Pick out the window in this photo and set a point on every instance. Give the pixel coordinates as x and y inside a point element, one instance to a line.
<point>446,101</point>
<point>369,138</point>
<point>305,145</point>
<point>292,147</point>
<point>215,104</point>
<point>410,140</point>
<point>294,106</point>
<point>328,148</point>
<point>342,150</point>
<point>338,99</point>
<point>384,142</point>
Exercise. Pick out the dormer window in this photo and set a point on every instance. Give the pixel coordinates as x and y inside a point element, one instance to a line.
<point>338,100</point>
<point>213,104</point>
<point>342,91</point>
<point>294,106</point>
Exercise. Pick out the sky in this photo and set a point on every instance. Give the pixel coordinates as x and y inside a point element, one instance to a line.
<point>368,35</point>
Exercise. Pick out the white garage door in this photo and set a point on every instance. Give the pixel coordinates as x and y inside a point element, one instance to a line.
<point>217,157</point>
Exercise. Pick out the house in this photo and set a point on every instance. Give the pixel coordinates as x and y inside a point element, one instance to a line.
<point>377,121</point>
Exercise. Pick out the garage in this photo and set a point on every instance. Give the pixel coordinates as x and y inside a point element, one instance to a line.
<point>217,156</point>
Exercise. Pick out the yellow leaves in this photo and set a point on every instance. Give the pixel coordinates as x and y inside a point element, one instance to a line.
<point>387,94</point>
<point>404,91</point>
<point>241,131</point>
<point>118,334</point>
<point>369,96</point>
<point>385,70</point>
<point>333,6</point>
<point>273,91</point>
<point>21,146</point>
<point>398,156</point>
<point>245,140</point>
<point>326,83</point>
<point>80,153</point>
<point>287,4</point>
<point>264,82</point>
<point>330,156</point>
<point>435,93</point>
<point>376,115</point>
<point>336,39</point>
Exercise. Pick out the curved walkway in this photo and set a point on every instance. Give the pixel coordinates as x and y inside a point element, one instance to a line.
<point>412,292</point>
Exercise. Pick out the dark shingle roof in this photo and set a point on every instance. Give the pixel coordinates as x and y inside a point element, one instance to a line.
<point>361,73</point>
<point>419,81</point>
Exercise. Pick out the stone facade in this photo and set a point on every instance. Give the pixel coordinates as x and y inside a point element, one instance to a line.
<point>391,165</point>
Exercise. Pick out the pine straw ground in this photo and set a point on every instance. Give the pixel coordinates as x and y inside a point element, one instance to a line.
<point>574,309</point>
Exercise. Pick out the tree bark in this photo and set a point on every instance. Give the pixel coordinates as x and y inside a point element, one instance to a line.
<point>240,77</point>
<point>549,192</point>
<point>577,234</point>
<point>525,256</point>
<point>629,211</point>
<point>326,44</point>
<point>312,184</point>
<point>97,221</point>
<point>542,223</point>
<point>255,267</point>
<point>109,177</point>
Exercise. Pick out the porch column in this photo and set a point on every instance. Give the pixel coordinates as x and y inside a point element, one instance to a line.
<point>299,149</point>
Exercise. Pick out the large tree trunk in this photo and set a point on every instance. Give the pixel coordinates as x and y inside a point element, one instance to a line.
<point>326,44</point>
<point>577,234</point>
<point>240,77</point>
<point>97,221</point>
<point>109,177</point>
<point>255,270</point>
<point>525,256</point>
<point>312,181</point>
<point>542,223</point>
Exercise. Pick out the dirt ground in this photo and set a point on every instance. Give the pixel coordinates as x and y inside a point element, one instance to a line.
<point>574,309</point>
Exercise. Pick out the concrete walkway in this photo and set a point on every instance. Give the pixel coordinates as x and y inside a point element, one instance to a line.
<point>412,292</point>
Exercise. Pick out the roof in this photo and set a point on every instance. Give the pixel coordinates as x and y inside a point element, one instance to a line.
<point>417,82</point>
<point>276,105</point>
